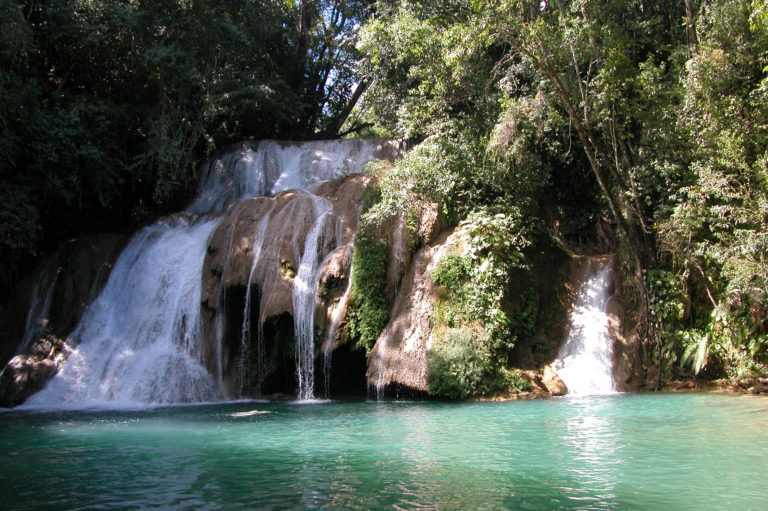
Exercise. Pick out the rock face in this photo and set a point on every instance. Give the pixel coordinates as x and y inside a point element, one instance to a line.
<point>552,382</point>
<point>54,302</point>
<point>627,356</point>
<point>399,357</point>
<point>254,256</point>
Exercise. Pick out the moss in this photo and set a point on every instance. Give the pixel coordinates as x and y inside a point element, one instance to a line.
<point>368,305</point>
<point>287,269</point>
<point>332,287</point>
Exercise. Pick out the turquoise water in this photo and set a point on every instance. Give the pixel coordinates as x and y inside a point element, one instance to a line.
<point>668,451</point>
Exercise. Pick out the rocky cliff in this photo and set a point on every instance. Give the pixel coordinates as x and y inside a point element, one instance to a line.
<point>242,266</point>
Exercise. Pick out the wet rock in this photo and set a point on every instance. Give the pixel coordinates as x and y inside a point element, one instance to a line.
<point>682,386</point>
<point>627,350</point>
<point>67,281</point>
<point>333,294</point>
<point>552,382</point>
<point>27,373</point>
<point>229,269</point>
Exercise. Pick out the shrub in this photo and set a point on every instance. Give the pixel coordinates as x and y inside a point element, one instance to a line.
<point>452,272</point>
<point>460,367</point>
<point>519,381</point>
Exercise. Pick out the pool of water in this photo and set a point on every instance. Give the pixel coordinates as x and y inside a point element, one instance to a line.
<point>649,451</point>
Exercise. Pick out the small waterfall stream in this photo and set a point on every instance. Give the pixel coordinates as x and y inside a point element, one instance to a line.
<point>330,337</point>
<point>245,331</point>
<point>585,361</point>
<point>40,308</point>
<point>304,287</point>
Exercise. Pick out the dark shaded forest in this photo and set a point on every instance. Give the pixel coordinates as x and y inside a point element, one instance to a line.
<point>109,107</point>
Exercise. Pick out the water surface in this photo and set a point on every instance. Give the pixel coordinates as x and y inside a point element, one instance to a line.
<point>668,451</point>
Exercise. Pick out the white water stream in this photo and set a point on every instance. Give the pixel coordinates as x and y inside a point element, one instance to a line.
<point>304,287</point>
<point>245,331</point>
<point>140,340</point>
<point>330,338</point>
<point>585,362</point>
<point>40,307</point>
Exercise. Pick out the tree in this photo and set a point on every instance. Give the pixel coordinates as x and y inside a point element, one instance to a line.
<point>109,107</point>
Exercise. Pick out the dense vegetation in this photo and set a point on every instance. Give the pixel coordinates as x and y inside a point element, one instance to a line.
<point>631,126</point>
<point>109,106</point>
<point>368,306</point>
<point>622,125</point>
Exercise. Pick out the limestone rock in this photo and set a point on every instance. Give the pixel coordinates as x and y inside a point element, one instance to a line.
<point>237,261</point>
<point>332,292</point>
<point>552,382</point>
<point>400,354</point>
<point>431,223</point>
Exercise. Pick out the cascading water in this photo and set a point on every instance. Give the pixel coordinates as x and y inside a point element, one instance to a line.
<point>141,340</point>
<point>39,309</point>
<point>245,331</point>
<point>304,302</point>
<point>219,323</point>
<point>585,360</point>
<point>269,167</point>
<point>330,337</point>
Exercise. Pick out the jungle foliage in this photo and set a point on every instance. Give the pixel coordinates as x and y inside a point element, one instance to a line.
<point>629,126</point>
<point>368,309</point>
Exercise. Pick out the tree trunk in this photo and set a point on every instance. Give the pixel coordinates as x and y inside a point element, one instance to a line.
<point>335,124</point>
<point>693,40</point>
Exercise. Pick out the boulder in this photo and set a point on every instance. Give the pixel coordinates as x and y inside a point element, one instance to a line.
<point>27,373</point>
<point>552,382</point>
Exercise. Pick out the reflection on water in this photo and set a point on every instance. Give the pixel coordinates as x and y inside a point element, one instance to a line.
<point>595,451</point>
<point>612,452</point>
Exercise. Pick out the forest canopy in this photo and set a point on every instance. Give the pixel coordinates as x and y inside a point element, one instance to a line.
<point>109,106</point>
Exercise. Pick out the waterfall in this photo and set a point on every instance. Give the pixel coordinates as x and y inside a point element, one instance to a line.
<point>141,340</point>
<point>245,331</point>
<point>221,303</point>
<point>304,302</point>
<point>40,308</point>
<point>268,167</point>
<point>330,337</point>
<point>585,360</point>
